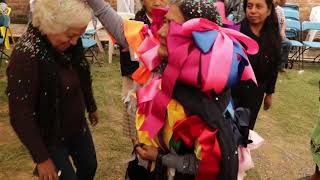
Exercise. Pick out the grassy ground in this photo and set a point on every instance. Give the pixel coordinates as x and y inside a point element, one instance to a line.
<point>286,129</point>
<point>112,149</point>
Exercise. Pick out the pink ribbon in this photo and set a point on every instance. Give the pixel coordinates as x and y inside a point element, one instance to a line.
<point>157,19</point>
<point>216,65</point>
<point>149,51</point>
<point>188,63</point>
<point>149,47</point>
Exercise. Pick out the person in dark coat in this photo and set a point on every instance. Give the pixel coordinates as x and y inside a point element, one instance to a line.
<point>260,24</point>
<point>50,89</point>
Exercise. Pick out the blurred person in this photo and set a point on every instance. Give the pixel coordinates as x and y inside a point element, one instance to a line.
<point>285,43</point>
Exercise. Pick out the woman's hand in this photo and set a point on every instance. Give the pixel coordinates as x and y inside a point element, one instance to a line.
<point>267,101</point>
<point>93,118</point>
<point>147,152</point>
<point>47,170</point>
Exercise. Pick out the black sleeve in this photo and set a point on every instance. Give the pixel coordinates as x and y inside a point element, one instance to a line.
<point>88,96</point>
<point>271,83</point>
<point>84,72</point>
<point>22,90</point>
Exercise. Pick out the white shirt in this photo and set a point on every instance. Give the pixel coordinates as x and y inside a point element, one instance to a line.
<point>32,3</point>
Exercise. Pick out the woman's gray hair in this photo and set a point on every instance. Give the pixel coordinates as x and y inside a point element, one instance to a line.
<point>56,16</point>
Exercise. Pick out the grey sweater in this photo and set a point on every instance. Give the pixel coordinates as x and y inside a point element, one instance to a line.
<point>110,20</point>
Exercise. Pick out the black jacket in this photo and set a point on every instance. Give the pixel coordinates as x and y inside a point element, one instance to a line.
<point>264,64</point>
<point>48,92</point>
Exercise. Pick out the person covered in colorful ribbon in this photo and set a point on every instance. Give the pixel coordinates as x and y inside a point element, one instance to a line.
<point>187,126</point>
<point>129,65</point>
<point>261,24</point>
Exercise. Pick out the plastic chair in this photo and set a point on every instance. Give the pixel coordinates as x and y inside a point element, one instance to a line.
<point>4,21</point>
<point>314,16</point>
<point>6,11</point>
<point>291,6</point>
<point>308,25</point>
<point>295,26</point>
<point>292,14</point>
<point>89,44</point>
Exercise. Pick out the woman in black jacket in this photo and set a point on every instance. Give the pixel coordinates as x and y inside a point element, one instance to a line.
<point>49,91</point>
<point>260,24</point>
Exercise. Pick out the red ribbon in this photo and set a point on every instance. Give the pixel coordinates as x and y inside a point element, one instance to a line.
<point>194,129</point>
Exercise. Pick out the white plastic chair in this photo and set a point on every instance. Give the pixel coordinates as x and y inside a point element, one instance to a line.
<point>314,16</point>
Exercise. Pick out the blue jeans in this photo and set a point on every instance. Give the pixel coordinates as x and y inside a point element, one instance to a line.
<point>83,155</point>
<point>285,48</point>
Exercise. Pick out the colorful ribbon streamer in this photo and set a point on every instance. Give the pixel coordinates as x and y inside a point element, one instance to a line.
<point>199,49</point>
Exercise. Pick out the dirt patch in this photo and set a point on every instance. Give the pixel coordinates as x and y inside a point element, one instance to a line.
<point>4,108</point>
<point>7,135</point>
<point>280,157</point>
<point>16,176</point>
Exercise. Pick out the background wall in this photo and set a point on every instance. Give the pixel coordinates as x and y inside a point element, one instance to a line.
<point>305,7</point>
<point>21,8</point>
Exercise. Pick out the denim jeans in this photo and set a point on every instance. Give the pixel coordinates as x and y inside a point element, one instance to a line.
<point>83,155</point>
<point>285,48</point>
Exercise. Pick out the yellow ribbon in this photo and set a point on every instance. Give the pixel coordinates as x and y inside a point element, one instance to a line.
<point>175,112</point>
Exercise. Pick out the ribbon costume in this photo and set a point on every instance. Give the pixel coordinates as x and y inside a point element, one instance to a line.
<point>187,107</point>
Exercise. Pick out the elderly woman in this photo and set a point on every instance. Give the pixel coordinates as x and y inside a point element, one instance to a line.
<point>49,90</point>
<point>187,129</point>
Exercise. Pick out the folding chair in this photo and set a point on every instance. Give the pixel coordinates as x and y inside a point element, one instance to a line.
<point>291,14</point>
<point>314,16</point>
<point>309,25</point>
<point>89,44</point>
<point>294,26</point>
<point>290,6</point>
<point>4,21</point>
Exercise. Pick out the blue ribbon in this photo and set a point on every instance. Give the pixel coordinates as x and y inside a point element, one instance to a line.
<point>229,109</point>
<point>237,66</point>
<point>204,40</point>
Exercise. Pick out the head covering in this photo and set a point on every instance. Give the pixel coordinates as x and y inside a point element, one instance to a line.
<point>200,9</point>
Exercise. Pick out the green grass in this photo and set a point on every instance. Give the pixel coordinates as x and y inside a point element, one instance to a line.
<point>286,128</point>
<point>112,149</point>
